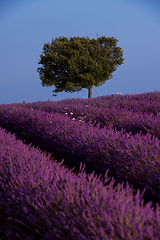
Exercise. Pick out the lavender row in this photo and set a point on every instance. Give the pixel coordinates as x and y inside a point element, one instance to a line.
<point>133,113</point>
<point>142,103</point>
<point>40,199</point>
<point>129,158</point>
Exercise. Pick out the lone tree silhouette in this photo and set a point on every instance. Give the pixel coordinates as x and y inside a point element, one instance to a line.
<point>71,64</point>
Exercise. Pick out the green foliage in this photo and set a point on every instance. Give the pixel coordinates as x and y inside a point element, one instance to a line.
<point>71,64</point>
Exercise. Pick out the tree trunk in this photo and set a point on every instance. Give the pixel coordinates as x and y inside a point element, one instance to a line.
<point>90,93</point>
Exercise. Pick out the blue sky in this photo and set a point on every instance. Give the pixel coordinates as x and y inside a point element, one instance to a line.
<point>26,25</point>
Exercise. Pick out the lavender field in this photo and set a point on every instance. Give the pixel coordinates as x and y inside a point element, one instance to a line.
<point>81,168</point>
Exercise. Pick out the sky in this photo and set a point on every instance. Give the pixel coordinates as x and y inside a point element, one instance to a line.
<point>25,26</point>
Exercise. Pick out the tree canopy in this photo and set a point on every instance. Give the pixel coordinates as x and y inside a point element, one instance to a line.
<point>71,64</point>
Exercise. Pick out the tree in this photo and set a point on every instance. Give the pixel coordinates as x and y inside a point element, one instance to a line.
<point>71,64</point>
